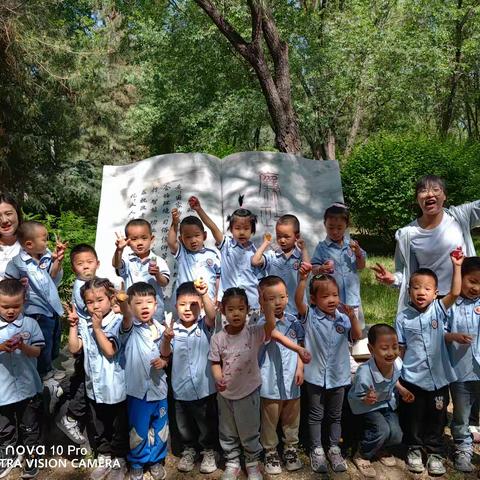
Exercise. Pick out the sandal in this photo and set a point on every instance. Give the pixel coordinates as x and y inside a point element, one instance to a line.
<point>365,467</point>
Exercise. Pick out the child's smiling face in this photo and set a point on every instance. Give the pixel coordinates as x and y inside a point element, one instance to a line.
<point>325,296</point>
<point>385,350</point>
<point>143,307</point>
<point>140,239</point>
<point>471,285</point>
<point>188,308</point>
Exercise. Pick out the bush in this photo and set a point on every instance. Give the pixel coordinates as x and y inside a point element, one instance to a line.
<point>379,178</point>
<point>69,227</point>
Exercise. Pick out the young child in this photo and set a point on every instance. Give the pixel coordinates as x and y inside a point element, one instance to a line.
<point>234,356</point>
<point>85,263</point>
<point>372,398</point>
<point>463,345</point>
<point>192,382</point>
<point>21,341</point>
<point>236,252</point>
<point>43,272</point>
<point>341,257</point>
<point>145,381</point>
<point>285,261</point>
<point>195,261</point>
<point>426,370</point>
<point>104,375</point>
<point>141,264</point>
<point>327,334</point>
<point>282,375</point>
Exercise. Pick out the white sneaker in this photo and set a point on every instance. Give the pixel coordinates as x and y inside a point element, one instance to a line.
<point>103,469</point>
<point>187,462</point>
<point>69,427</point>
<point>47,376</point>
<point>209,462</point>
<point>59,374</point>
<point>272,463</point>
<point>291,459</point>
<point>55,392</point>
<point>118,470</point>
<point>232,470</point>
<point>253,472</point>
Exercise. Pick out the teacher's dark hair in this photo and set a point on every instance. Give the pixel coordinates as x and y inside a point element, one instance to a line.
<point>5,197</point>
<point>427,180</point>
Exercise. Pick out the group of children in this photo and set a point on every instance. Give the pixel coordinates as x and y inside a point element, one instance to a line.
<point>235,377</point>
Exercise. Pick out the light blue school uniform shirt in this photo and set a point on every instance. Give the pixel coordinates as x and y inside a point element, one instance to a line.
<point>464,317</point>
<point>104,377</point>
<point>278,364</point>
<point>191,370</point>
<point>134,269</point>
<point>18,373</point>
<point>425,363</point>
<point>191,265</point>
<point>143,381</point>
<point>368,376</point>
<point>345,269</point>
<point>277,263</point>
<point>327,338</point>
<point>42,293</point>
<point>237,269</point>
<point>78,301</point>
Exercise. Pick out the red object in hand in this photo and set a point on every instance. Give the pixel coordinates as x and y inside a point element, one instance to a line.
<point>193,201</point>
<point>457,253</point>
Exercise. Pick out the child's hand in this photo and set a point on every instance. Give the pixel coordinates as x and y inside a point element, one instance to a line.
<point>121,242</point>
<point>268,308</point>
<point>267,237</point>
<point>305,355</point>
<point>299,377</point>
<point>328,267</point>
<point>304,270</point>
<point>300,244</point>
<point>462,338</point>
<point>371,396</point>
<point>383,275</point>
<point>347,310</point>
<point>24,282</point>
<point>457,256</point>
<point>201,286</point>
<point>96,320</point>
<point>8,346</point>
<point>153,269</point>
<point>169,333</point>
<point>407,395</point>
<point>221,385</point>
<point>60,247</point>
<point>120,295</point>
<point>354,245</point>
<point>175,216</point>
<point>158,363</point>
<point>194,203</point>
<point>72,315</point>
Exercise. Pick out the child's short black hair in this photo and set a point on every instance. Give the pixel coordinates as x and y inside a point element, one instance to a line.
<point>5,197</point>
<point>141,289</point>
<point>187,288</point>
<point>242,213</point>
<point>138,222</point>
<point>26,231</point>
<point>234,292</point>
<point>424,271</point>
<point>192,220</point>
<point>316,279</point>
<point>337,209</point>
<point>82,248</point>
<point>271,281</point>
<point>290,219</point>
<point>470,265</point>
<point>427,180</point>
<point>95,283</point>
<point>379,329</point>
<point>11,287</point>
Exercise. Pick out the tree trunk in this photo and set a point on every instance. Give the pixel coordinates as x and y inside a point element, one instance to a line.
<point>352,134</point>
<point>276,85</point>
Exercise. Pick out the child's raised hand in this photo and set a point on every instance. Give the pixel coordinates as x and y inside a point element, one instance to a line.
<point>304,270</point>
<point>194,203</point>
<point>457,256</point>
<point>201,286</point>
<point>169,333</point>
<point>175,216</point>
<point>267,238</point>
<point>153,269</point>
<point>300,244</point>
<point>221,385</point>
<point>354,245</point>
<point>121,242</point>
<point>72,315</point>
<point>120,295</point>
<point>346,309</point>
<point>158,363</point>
<point>305,355</point>
<point>383,275</point>
<point>371,396</point>
<point>60,248</point>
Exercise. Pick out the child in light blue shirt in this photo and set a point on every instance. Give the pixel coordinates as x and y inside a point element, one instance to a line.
<point>146,383</point>
<point>196,262</point>
<point>104,374</point>
<point>463,343</point>
<point>192,381</point>
<point>141,264</point>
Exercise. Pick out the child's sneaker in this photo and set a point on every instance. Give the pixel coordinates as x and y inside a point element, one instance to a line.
<point>435,465</point>
<point>119,469</point>
<point>232,470</point>
<point>336,460</point>
<point>414,460</point>
<point>253,472</point>
<point>55,392</point>
<point>272,463</point>
<point>30,468</point>
<point>291,459</point>
<point>59,374</point>
<point>7,465</point>
<point>187,462</point>
<point>463,462</point>
<point>318,460</point>
<point>136,473</point>
<point>209,462</point>
<point>103,469</point>
<point>69,427</point>
<point>364,467</point>
<point>157,472</point>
